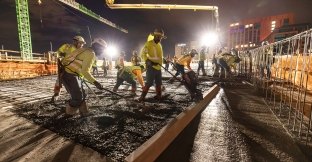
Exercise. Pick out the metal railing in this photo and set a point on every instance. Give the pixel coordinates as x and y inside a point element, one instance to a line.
<point>283,71</point>
<point>9,55</point>
<point>13,66</point>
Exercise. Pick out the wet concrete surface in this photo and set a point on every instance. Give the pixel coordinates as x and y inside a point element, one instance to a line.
<point>235,126</point>
<point>117,126</point>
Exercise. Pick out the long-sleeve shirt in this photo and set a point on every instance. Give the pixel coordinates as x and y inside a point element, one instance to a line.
<point>65,49</point>
<point>134,71</point>
<point>185,61</point>
<point>81,64</point>
<point>153,52</point>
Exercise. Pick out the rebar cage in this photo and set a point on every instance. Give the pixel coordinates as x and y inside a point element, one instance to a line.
<point>282,71</point>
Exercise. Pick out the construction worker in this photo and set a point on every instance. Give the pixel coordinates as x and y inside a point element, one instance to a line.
<point>222,61</point>
<point>62,52</point>
<point>120,60</point>
<point>217,67</point>
<point>135,59</point>
<point>104,67</point>
<point>152,55</point>
<point>184,60</point>
<point>128,74</point>
<point>201,62</point>
<point>95,68</point>
<point>76,66</point>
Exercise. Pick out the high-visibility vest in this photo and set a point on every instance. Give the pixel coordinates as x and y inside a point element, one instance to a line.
<point>66,49</point>
<point>129,70</point>
<point>185,60</point>
<point>73,63</point>
<point>153,50</point>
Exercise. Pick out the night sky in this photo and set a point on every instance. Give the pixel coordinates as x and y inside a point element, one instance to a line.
<point>60,23</point>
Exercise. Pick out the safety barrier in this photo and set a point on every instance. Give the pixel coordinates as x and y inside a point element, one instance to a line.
<point>13,66</point>
<point>283,71</point>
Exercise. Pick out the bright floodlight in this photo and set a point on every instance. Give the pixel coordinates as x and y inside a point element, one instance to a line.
<point>111,50</point>
<point>209,39</point>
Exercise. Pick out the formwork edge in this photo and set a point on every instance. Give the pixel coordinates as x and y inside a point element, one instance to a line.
<point>152,148</point>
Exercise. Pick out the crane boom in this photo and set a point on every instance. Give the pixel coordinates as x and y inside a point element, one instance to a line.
<point>90,13</point>
<point>167,6</point>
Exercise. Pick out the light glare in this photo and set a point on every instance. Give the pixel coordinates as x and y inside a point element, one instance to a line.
<point>209,39</point>
<point>111,50</point>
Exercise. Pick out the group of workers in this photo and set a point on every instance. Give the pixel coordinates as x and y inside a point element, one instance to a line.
<point>75,63</point>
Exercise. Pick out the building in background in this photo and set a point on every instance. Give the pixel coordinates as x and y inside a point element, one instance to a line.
<point>185,48</point>
<point>249,33</point>
<point>287,31</point>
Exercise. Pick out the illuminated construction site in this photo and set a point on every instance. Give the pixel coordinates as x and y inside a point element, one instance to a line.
<point>257,108</point>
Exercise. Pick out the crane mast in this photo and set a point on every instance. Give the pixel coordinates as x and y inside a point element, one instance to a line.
<point>23,26</point>
<point>23,23</point>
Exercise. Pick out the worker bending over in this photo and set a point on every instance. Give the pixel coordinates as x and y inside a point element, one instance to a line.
<point>62,52</point>
<point>184,60</point>
<point>77,65</point>
<point>128,74</point>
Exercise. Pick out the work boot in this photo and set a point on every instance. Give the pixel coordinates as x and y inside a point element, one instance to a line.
<point>144,93</point>
<point>158,93</point>
<point>114,89</point>
<point>83,109</point>
<point>69,110</point>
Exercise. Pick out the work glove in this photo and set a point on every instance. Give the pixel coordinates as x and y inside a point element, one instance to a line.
<point>98,85</point>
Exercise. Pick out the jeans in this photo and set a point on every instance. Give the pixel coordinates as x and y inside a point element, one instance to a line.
<point>71,84</point>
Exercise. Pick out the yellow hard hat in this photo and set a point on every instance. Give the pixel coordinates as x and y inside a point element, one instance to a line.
<point>79,39</point>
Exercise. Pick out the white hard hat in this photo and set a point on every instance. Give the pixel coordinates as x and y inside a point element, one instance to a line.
<point>100,41</point>
<point>79,39</point>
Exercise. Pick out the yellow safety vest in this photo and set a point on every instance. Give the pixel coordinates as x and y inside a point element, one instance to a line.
<point>184,60</point>
<point>153,50</point>
<point>80,62</point>
<point>66,49</point>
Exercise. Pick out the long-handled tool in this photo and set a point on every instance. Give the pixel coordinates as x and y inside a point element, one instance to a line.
<point>194,92</point>
<point>142,106</point>
<point>105,89</point>
<point>175,77</point>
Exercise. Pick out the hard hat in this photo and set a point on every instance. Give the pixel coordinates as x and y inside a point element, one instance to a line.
<point>193,52</point>
<point>99,41</point>
<point>79,39</point>
<point>159,32</point>
<point>134,52</point>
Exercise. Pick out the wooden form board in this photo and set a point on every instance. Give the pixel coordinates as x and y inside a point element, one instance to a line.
<point>152,148</point>
<point>20,70</point>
